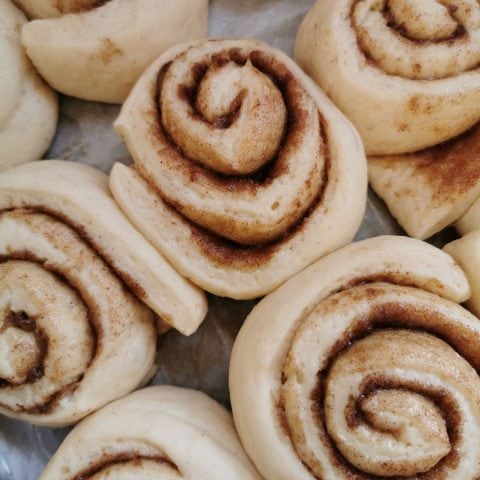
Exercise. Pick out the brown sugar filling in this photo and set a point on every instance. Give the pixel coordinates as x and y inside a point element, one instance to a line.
<point>78,6</point>
<point>119,460</point>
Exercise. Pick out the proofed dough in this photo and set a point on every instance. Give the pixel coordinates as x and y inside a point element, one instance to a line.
<point>406,74</point>
<point>245,173</point>
<point>28,107</point>
<point>160,432</point>
<point>363,365</point>
<point>97,50</point>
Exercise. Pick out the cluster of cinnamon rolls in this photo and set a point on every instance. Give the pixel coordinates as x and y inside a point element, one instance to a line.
<point>248,179</point>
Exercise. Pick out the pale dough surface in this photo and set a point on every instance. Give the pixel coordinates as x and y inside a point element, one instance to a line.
<point>180,433</point>
<point>99,52</point>
<point>28,107</point>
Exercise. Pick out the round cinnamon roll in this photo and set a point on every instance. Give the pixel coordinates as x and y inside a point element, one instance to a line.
<point>96,49</point>
<point>362,366</point>
<point>244,172</point>
<point>159,432</point>
<point>28,107</point>
<point>77,195</point>
<point>405,73</point>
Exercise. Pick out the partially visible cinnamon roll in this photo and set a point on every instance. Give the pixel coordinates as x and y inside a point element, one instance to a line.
<point>28,107</point>
<point>363,366</point>
<point>406,74</point>
<point>97,49</point>
<point>72,337</point>
<point>78,196</point>
<point>244,172</point>
<point>156,433</point>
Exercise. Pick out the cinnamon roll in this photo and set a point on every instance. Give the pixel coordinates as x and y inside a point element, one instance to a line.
<point>72,337</point>
<point>77,196</point>
<point>159,432</point>
<point>244,172</point>
<point>28,107</point>
<point>405,73</point>
<point>362,366</point>
<point>96,49</point>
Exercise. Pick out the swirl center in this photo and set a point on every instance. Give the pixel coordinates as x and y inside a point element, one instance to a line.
<point>39,317</point>
<point>20,352</point>
<point>423,20</point>
<point>225,115</point>
<point>427,40</point>
<point>385,432</point>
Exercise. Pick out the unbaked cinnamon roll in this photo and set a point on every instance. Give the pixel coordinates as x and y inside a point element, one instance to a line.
<point>28,107</point>
<point>77,195</point>
<point>96,49</point>
<point>72,337</point>
<point>244,172</point>
<point>156,433</point>
<point>405,72</point>
<point>363,366</point>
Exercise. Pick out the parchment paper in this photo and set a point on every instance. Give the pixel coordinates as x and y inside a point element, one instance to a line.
<point>200,361</point>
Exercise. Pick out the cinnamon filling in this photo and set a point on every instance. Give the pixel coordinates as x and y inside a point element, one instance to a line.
<point>78,6</point>
<point>453,167</point>
<point>121,460</point>
<point>128,282</point>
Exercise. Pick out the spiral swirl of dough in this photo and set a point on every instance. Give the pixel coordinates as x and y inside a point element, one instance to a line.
<point>97,49</point>
<point>244,172</point>
<point>28,107</point>
<point>162,432</point>
<point>67,324</point>
<point>413,63</point>
<point>363,366</point>
<point>78,195</point>
<point>406,74</point>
